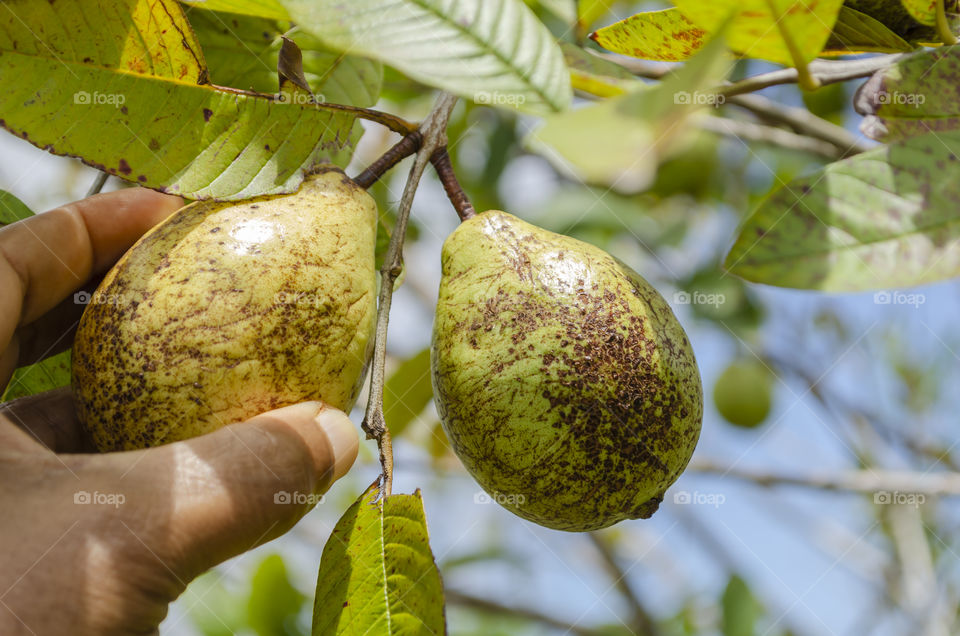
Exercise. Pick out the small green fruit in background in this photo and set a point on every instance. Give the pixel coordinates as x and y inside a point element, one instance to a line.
<point>743,393</point>
<point>565,383</point>
<point>226,310</point>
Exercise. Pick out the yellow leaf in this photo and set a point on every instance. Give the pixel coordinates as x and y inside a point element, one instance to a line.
<point>655,35</point>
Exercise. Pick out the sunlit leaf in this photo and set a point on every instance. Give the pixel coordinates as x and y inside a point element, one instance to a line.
<point>784,31</point>
<point>126,93</point>
<point>377,573</point>
<point>12,209</point>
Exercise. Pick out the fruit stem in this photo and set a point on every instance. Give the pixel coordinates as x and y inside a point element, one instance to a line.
<point>400,151</point>
<point>434,136</point>
<point>441,163</point>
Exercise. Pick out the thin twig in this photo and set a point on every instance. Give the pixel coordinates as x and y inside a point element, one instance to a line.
<point>400,151</point>
<point>869,481</point>
<point>802,121</point>
<point>642,621</point>
<point>97,184</point>
<point>433,131</point>
<point>499,609</point>
<point>441,163</point>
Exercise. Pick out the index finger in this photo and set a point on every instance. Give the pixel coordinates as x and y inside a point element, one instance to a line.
<point>46,257</point>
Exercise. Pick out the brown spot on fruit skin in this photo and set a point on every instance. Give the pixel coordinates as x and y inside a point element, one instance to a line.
<point>198,338</point>
<point>593,423</point>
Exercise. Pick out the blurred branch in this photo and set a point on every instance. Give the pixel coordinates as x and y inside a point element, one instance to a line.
<point>493,607</point>
<point>750,131</point>
<point>822,71</point>
<point>642,621</point>
<point>803,121</point>
<point>867,481</point>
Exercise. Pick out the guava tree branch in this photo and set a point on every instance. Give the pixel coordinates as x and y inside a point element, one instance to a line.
<point>434,136</point>
<point>759,133</point>
<point>98,184</point>
<point>641,622</point>
<point>868,481</point>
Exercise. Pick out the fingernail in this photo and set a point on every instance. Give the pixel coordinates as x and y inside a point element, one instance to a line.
<point>342,437</point>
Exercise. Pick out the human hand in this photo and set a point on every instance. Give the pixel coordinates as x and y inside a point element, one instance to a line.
<point>100,544</point>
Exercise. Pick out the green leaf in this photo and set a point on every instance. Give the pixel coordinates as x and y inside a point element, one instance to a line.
<point>656,35</point>
<point>908,98</point>
<point>595,75</point>
<point>46,375</point>
<point>12,209</point>
<point>126,94</point>
<point>491,51</point>
<point>274,603</point>
<point>776,30</point>
<point>242,52</point>
<point>377,573</point>
<point>886,218</point>
<point>619,142</point>
<point>407,392</point>
<point>856,32</point>
<point>740,609</point>
<point>923,11</point>
<point>259,8</point>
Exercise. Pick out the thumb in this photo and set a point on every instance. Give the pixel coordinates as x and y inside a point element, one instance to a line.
<point>246,483</point>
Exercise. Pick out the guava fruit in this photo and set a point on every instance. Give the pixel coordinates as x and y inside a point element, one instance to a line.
<point>565,383</point>
<point>229,309</point>
<point>743,393</point>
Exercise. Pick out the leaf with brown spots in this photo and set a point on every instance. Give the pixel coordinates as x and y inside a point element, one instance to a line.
<point>655,35</point>
<point>884,219</point>
<point>136,76</point>
<point>917,95</point>
<point>784,31</point>
<point>377,572</point>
